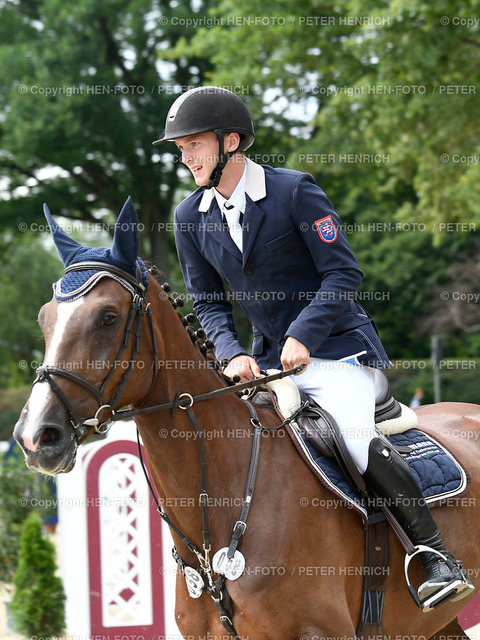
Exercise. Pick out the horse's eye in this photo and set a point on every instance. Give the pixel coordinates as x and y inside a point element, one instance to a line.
<point>109,319</point>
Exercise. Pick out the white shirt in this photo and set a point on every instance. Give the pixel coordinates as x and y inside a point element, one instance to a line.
<point>238,196</point>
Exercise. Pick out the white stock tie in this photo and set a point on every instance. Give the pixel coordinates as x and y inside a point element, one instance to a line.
<point>232,216</point>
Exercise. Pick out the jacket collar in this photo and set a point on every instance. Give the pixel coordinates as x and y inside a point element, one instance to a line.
<point>255,186</point>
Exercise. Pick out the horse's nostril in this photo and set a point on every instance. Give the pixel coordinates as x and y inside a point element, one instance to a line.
<point>49,436</point>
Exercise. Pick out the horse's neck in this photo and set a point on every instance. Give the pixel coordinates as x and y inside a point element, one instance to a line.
<point>172,445</point>
<point>171,439</point>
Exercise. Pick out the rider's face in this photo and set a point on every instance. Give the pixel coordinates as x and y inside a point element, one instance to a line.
<point>200,154</point>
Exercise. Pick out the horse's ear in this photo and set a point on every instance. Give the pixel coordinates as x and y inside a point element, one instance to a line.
<point>67,246</point>
<point>125,245</point>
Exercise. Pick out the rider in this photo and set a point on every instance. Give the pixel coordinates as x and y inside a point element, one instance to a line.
<point>286,259</point>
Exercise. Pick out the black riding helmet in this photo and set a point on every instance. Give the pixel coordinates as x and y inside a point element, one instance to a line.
<point>210,109</point>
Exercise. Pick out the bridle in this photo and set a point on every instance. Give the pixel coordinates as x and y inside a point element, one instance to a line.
<point>100,422</point>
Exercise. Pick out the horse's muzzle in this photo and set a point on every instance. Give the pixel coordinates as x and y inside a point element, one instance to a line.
<point>49,448</point>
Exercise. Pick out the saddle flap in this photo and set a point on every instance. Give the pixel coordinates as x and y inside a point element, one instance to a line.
<point>313,424</point>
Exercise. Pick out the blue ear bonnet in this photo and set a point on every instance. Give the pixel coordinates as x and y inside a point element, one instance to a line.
<point>77,283</point>
<point>122,255</point>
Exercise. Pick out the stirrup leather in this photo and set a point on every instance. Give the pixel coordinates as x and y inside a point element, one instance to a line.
<point>451,591</point>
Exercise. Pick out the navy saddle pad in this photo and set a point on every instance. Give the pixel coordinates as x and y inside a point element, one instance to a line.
<point>438,473</point>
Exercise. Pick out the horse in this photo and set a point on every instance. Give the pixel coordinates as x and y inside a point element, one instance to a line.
<point>303,577</point>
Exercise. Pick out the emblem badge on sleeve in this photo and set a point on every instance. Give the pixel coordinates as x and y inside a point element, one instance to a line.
<point>326,229</point>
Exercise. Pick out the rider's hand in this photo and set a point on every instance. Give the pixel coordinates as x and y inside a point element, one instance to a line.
<point>293,354</point>
<point>244,367</point>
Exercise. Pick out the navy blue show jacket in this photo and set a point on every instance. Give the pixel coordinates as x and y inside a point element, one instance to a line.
<point>297,275</point>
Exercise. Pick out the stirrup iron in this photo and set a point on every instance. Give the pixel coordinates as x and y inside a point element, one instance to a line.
<point>444,594</point>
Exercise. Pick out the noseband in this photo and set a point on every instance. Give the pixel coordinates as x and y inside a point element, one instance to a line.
<point>100,422</point>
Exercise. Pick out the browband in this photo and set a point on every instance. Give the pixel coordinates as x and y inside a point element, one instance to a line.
<point>110,268</point>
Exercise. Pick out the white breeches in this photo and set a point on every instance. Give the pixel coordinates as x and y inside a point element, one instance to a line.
<point>347,392</point>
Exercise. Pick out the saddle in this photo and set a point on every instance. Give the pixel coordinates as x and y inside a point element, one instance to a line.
<point>320,428</point>
<point>315,434</point>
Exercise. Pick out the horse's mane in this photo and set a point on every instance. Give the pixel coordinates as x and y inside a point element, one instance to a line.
<point>196,333</point>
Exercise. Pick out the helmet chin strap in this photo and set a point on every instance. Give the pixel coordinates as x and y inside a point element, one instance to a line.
<point>223,158</point>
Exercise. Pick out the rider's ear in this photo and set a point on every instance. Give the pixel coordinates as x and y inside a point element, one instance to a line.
<point>232,140</point>
<point>125,247</point>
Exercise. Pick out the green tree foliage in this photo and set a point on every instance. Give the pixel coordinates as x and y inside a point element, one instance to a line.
<point>26,275</point>
<point>389,78</point>
<point>86,89</point>
<point>458,380</point>
<point>11,404</point>
<point>21,493</point>
<point>38,603</point>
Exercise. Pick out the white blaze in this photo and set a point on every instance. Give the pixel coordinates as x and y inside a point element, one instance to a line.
<point>41,393</point>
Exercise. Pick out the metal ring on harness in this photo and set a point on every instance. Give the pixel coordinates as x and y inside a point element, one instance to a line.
<point>186,395</point>
<point>104,426</point>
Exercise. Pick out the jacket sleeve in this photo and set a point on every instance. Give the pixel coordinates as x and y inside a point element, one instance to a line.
<point>319,226</point>
<point>210,301</point>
